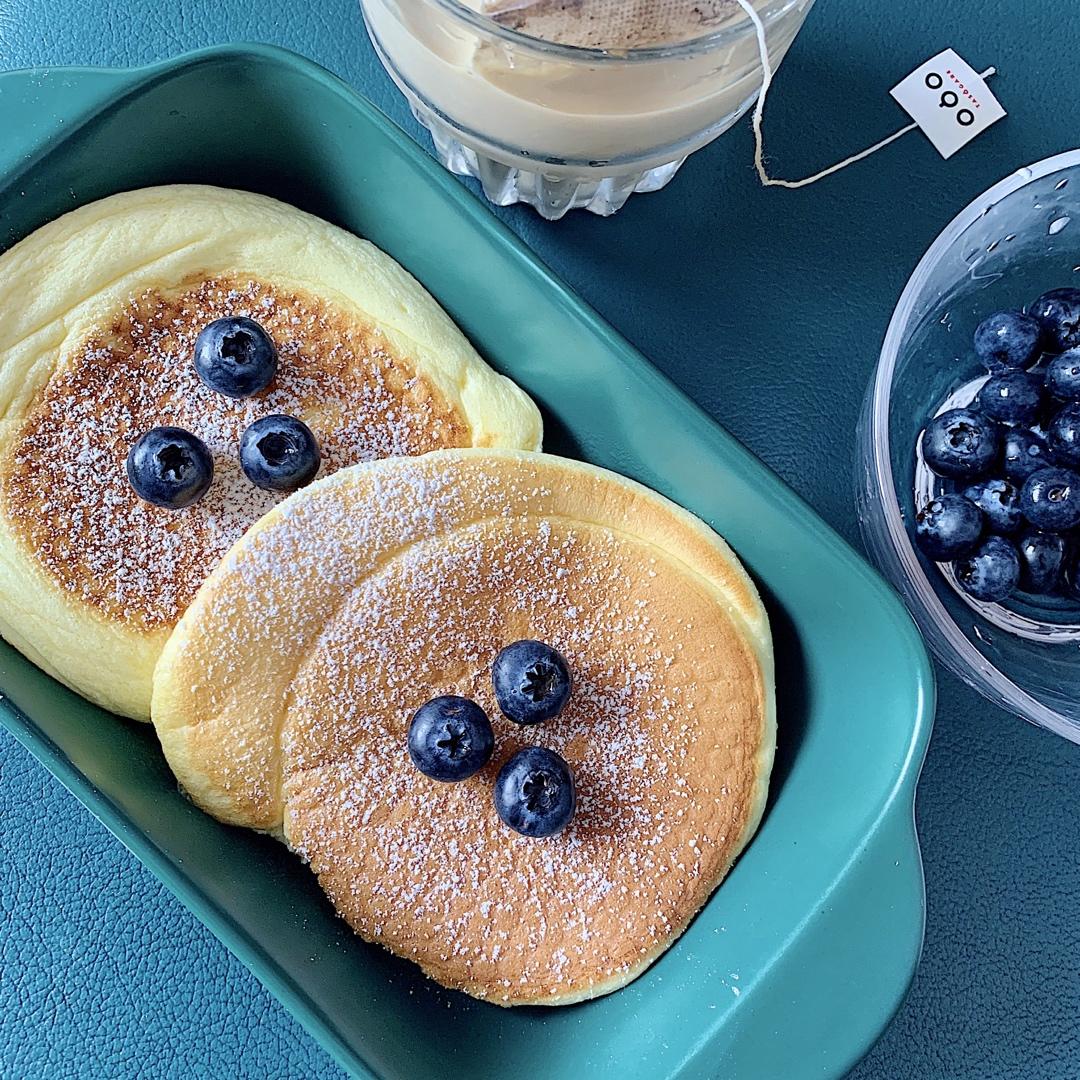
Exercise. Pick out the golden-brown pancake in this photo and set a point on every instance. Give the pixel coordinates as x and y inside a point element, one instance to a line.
<point>99,311</point>
<point>284,696</point>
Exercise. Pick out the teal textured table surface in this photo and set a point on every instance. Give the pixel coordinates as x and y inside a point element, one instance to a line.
<point>768,307</point>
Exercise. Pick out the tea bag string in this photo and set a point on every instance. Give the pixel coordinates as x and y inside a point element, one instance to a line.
<point>759,112</point>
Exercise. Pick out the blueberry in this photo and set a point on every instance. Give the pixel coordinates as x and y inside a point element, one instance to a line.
<point>999,500</point>
<point>1023,453</point>
<point>1062,375</point>
<point>531,681</point>
<point>279,453</point>
<point>1050,499</point>
<point>948,527</point>
<point>1070,579</point>
<point>1012,397</point>
<point>534,792</point>
<point>1042,561</point>
<point>1063,435</point>
<point>170,467</point>
<point>450,738</point>
<point>991,571</point>
<point>1007,339</point>
<point>236,357</point>
<point>1058,313</point>
<point>961,444</point>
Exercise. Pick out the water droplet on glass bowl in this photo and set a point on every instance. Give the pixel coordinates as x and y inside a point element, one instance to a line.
<point>1058,224</point>
<point>1061,183</point>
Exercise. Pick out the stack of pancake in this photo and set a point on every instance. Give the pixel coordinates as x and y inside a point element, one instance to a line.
<point>286,644</point>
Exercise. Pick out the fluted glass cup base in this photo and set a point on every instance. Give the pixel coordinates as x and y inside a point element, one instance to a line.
<point>550,194</point>
<point>561,127</point>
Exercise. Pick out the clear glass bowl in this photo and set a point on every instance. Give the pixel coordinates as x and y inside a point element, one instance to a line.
<point>558,126</point>
<point>1011,244</point>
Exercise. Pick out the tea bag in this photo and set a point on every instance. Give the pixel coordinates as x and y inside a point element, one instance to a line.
<point>611,24</point>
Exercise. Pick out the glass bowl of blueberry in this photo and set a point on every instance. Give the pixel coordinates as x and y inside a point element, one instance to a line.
<point>969,442</point>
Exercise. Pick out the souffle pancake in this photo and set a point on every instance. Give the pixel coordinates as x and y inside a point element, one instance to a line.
<point>100,311</point>
<point>288,698</point>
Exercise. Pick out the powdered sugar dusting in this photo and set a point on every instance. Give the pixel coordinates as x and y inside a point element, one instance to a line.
<point>658,731</point>
<point>66,488</point>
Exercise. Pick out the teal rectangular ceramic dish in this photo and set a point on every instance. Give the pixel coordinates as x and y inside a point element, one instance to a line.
<point>802,956</point>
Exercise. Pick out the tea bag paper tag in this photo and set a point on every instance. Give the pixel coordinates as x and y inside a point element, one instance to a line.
<point>949,100</point>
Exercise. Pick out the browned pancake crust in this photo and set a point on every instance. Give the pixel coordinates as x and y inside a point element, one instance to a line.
<point>65,489</point>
